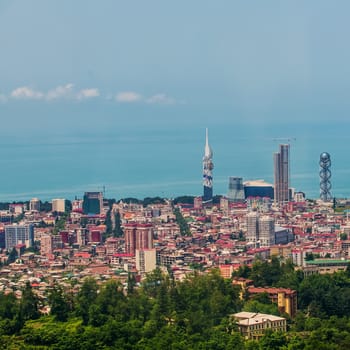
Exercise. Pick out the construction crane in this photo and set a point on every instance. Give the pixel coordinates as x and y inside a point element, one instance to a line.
<point>284,139</point>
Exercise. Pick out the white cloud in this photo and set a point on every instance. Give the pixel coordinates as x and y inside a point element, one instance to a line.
<point>87,93</point>
<point>68,92</point>
<point>128,97</point>
<point>65,91</point>
<point>60,92</point>
<point>25,92</point>
<point>162,99</point>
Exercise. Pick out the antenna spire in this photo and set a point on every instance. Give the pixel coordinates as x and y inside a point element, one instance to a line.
<point>207,150</point>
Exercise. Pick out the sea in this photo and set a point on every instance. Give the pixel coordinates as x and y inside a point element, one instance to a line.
<point>165,159</point>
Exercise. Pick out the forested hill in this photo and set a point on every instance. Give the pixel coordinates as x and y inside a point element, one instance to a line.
<point>164,314</point>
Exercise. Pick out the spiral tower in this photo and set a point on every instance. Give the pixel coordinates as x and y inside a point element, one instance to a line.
<point>325,176</point>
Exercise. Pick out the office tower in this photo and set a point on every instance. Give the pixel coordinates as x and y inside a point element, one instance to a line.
<point>258,188</point>
<point>281,174</point>
<point>208,167</point>
<point>266,231</point>
<point>59,205</point>
<point>325,176</point>
<point>34,204</point>
<point>138,236</point>
<point>93,203</point>
<point>19,234</point>
<point>252,227</point>
<point>235,189</point>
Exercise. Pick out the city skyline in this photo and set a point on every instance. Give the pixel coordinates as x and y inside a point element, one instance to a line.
<point>116,229</point>
<point>107,78</point>
<point>221,180</point>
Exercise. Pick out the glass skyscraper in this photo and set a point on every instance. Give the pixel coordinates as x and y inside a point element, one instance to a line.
<point>281,174</point>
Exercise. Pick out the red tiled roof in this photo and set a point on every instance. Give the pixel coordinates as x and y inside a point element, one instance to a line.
<point>123,255</point>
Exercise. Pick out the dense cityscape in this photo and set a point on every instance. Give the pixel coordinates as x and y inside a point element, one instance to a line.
<point>174,175</point>
<point>263,244</point>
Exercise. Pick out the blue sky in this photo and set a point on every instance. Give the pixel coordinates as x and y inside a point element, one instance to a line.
<point>190,60</point>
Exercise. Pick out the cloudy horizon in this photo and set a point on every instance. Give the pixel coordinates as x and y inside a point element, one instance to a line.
<point>258,61</point>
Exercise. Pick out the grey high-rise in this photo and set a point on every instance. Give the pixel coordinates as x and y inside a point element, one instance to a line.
<point>281,174</point>
<point>235,189</point>
<point>19,234</point>
<point>93,203</point>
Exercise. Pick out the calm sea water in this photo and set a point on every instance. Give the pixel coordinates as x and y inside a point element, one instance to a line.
<point>166,160</point>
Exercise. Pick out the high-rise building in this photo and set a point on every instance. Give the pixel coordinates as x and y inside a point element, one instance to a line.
<point>260,229</point>
<point>138,236</point>
<point>130,238</point>
<point>2,238</point>
<point>81,236</point>
<point>235,189</point>
<point>252,227</point>
<point>146,260</point>
<point>266,231</point>
<point>281,174</point>
<point>46,245</point>
<point>208,167</point>
<point>59,205</point>
<point>93,203</point>
<point>258,188</point>
<point>144,236</point>
<point>19,234</point>
<point>260,204</point>
<point>34,204</point>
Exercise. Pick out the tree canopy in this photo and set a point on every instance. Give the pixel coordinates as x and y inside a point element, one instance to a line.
<point>166,314</point>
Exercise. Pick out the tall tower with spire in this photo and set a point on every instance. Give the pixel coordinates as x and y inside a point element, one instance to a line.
<point>208,167</point>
